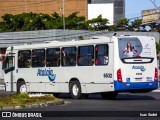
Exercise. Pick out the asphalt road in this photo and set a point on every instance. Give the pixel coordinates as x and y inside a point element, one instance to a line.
<point>126,103</point>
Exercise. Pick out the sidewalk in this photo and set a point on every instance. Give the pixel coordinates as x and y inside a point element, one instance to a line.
<point>158,90</point>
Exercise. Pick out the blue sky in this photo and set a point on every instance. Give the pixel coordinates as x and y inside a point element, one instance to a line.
<point>133,8</point>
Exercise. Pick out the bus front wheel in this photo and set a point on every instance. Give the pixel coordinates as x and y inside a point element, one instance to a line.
<point>75,90</point>
<point>21,87</point>
<point>109,95</point>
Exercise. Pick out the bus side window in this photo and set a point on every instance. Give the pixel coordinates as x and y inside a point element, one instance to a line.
<point>68,55</point>
<point>53,57</point>
<point>24,59</point>
<point>102,54</point>
<point>86,55</point>
<point>38,58</point>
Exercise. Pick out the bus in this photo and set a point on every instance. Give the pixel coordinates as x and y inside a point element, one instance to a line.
<point>105,65</point>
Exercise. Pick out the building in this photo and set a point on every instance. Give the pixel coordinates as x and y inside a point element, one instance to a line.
<point>151,16</point>
<point>111,9</point>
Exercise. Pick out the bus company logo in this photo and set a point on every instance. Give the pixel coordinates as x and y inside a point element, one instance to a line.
<point>142,68</point>
<point>49,73</point>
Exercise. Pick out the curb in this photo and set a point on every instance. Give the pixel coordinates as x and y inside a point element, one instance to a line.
<point>41,105</point>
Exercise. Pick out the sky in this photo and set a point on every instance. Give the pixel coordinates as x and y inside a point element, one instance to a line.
<point>133,8</point>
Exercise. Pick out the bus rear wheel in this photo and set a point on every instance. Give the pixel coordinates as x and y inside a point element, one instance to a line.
<point>109,95</point>
<point>75,90</point>
<point>21,87</point>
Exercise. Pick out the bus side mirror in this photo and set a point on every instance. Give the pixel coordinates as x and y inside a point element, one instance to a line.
<point>8,70</point>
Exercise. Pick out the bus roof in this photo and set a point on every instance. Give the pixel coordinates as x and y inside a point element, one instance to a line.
<point>94,40</point>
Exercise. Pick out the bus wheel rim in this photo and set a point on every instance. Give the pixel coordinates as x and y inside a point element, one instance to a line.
<point>75,90</point>
<point>23,89</point>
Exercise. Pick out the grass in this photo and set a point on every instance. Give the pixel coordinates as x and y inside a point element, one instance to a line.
<point>24,99</point>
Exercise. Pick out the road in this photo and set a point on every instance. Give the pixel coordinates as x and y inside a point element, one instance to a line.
<point>125,102</point>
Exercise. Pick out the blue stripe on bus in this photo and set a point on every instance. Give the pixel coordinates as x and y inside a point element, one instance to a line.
<point>124,86</point>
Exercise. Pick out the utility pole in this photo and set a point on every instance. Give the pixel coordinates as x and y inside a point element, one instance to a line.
<point>63,17</point>
<point>26,6</point>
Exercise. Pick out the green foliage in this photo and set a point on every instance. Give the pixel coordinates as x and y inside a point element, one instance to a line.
<point>33,21</point>
<point>73,22</point>
<point>24,99</point>
<point>122,24</point>
<point>98,23</point>
<point>21,96</point>
<point>136,24</point>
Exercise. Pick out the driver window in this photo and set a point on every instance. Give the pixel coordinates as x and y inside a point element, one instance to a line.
<point>8,63</point>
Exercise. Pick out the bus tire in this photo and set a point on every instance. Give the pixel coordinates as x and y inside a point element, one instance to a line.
<point>75,90</point>
<point>109,95</point>
<point>21,87</point>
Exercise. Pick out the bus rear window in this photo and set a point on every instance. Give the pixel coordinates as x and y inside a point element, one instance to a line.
<point>134,48</point>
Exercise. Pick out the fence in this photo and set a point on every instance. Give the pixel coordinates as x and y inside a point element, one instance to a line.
<point>19,38</point>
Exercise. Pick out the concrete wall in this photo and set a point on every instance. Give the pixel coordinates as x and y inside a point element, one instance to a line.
<point>43,6</point>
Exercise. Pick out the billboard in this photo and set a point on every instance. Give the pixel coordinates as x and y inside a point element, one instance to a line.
<point>106,10</point>
<point>150,16</point>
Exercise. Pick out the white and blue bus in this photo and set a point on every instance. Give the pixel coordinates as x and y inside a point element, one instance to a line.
<point>101,65</point>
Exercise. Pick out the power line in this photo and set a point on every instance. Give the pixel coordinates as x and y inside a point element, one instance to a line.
<point>20,6</point>
<point>154,4</point>
<point>34,4</point>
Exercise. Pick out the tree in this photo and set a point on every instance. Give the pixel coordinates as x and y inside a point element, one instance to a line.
<point>98,23</point>
<point>7,22</point>
<point>136,24</point>
<point>122,24</point>
<point>57,21</point>
<point>74,22</point>
<point>112,28</point>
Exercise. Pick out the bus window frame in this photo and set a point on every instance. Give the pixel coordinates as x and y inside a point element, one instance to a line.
<point>61,56</point>
<point>107,45</point>
<point>44,58</point>
<point>59,59</point>
<point>92,61</point>
<point>30,64</point>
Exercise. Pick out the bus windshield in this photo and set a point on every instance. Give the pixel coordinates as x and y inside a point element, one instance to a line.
<point>133,48</point>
